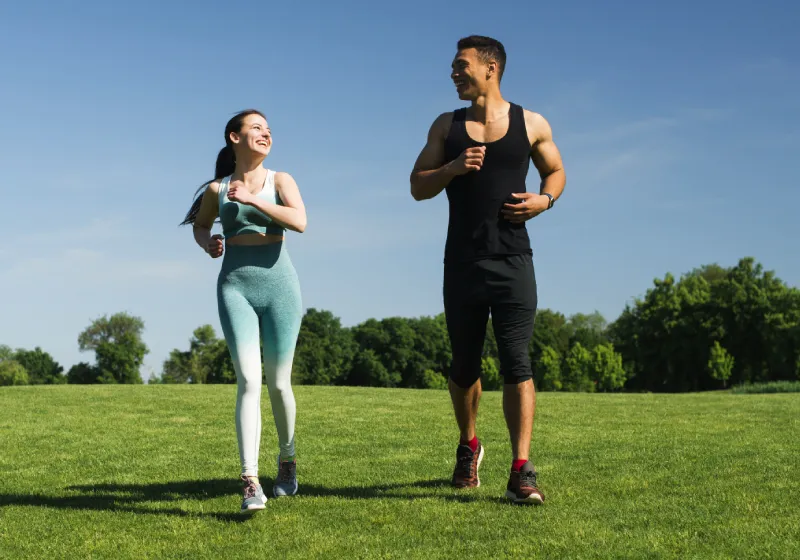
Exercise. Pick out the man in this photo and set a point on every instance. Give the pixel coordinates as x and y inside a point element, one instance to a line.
<point>480,155</point>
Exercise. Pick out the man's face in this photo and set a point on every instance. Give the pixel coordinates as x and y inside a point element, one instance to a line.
<point>469,74</point>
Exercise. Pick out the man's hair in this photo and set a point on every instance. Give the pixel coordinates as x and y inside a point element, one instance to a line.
<point>488,49</point>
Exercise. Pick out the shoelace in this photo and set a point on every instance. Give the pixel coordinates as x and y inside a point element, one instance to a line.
<point>286,472</point>
<point>249,488</point>
<point>465,464</point>
<point>528,478</point>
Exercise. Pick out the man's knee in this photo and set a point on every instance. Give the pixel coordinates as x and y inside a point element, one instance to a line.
<point>516,367</point>
<point>465,378</point>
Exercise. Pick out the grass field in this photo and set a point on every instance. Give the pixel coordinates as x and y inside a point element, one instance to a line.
<point>151,472</point>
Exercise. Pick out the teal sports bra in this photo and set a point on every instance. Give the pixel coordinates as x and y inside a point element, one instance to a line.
<point>239,219</point>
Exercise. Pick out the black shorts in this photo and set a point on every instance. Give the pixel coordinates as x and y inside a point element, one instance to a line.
<point>506,286</point>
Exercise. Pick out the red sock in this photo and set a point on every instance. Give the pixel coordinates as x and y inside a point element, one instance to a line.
<point>517,464</point>
<point>472,444</point>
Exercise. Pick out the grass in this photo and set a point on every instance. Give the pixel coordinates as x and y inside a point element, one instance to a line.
<point>150,472</point>
<point>770,387</point>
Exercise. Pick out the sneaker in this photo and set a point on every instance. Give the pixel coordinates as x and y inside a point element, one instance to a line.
<point>522,487</point>
<point>286,483</point>
<point>254,498</point>
<point>465,475</point>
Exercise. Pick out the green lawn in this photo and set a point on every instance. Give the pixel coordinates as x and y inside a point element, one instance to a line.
<point>151,472</point>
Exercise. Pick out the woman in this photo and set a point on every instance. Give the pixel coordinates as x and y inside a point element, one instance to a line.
<point>258,292</point>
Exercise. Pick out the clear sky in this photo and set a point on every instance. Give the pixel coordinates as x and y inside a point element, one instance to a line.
<point>678,123</point>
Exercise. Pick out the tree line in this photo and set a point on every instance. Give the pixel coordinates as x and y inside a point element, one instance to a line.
<point>711,328</point>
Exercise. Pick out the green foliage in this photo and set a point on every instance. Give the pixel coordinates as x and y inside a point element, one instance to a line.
<point>665,336</point>
<point>770,387</point>
<point>325,350</point>
<point>368,371</point>
<point>607,369</point>
<point>490,374</point>
<point>6,353</point>
<point>206,361</point>
<point>434,380</point>
<point>579,370</point>
<point>549,370</point>
<point>41,367</point>
<point>588,330</point>
<point>83,374</point>
<point>118,347</point>
<point>720,363</point>
<point>12,373</point>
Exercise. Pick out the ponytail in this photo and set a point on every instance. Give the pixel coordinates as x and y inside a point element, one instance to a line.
<point>226,163</point>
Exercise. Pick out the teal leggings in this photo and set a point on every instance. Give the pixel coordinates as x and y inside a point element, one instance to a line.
<point>259,300</point>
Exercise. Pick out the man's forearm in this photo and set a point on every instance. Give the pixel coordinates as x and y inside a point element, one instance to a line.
<point>553,184</point>
<point>427,184</point>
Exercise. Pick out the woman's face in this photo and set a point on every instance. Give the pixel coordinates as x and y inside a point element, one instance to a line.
<point>254,136</point>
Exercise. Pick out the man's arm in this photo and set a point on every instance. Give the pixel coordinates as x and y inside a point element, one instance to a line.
<point>431,174</point>
<point>546,157</point>
<point>547,160</point>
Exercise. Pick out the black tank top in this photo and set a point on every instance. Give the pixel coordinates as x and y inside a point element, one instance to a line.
<point>476,229</point>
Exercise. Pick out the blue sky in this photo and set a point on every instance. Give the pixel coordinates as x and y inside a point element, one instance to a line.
<point>677,123</point>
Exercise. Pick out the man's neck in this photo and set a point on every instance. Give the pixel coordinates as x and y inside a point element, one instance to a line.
<point>489,107</point>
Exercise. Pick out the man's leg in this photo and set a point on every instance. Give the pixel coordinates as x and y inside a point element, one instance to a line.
<point>465,406</point>
<point>466,316</point>
<point>519,405</point>
<point>512,284</point>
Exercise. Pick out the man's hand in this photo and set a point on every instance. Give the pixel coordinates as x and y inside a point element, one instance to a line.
<point>215,246</point>
<point>532,205</point>
<point>239,193</point>
<point>470,159</point>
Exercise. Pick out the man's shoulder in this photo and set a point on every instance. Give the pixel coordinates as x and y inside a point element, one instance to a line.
<point>537,126</point>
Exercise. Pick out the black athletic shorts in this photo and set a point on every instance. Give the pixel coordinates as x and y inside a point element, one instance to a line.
<point>506,286</point>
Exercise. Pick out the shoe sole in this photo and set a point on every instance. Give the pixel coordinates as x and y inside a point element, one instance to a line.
<point>254,508</point>
<point>534,499</point>
<point>477,472</point>
<point>274,493</point>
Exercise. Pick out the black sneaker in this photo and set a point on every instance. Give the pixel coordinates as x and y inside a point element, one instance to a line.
<point>522,487</point>
<point>465,475</point>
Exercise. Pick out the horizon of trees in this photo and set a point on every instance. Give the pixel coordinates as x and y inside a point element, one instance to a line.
<point>712,328</point>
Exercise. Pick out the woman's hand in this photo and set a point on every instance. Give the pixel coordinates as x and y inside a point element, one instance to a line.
<point>215,247</point>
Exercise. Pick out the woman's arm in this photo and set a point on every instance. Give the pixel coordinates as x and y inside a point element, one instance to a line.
<point>204,221</point>
<point>291,215</point>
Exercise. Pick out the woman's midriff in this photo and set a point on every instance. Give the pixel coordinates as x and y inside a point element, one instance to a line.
<point>254,239</point>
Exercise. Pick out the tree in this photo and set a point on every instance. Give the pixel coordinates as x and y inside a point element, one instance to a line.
<point>548,370</point>
<point>82,374</point>
<point>550,329</point>
<point>720,363</point>
<point>434,380</point>
<point>589,330</point>
<point>607,370</point>
<point>665,336</point>
<point>206,361</point>
<point>578,374</point>
<point>325,350</point>
<point>118,347</point>
<point>491,380</point>
<point>12,373</point>
<point>41,367</point>
<point>368,371</point>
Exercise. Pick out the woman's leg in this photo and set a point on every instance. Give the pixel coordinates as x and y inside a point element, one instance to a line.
<point>240,326</point>
<point>280,325</point>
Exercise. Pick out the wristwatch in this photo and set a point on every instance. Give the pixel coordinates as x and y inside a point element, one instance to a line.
<point>550,196</point>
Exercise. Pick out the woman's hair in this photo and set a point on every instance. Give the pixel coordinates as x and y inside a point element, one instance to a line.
<point>226,161</point>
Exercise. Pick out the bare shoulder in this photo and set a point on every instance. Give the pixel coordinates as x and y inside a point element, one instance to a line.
<point>441,125</point>
<point>283,178</point>
<point>538,128</point>
<point>213,187</point>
